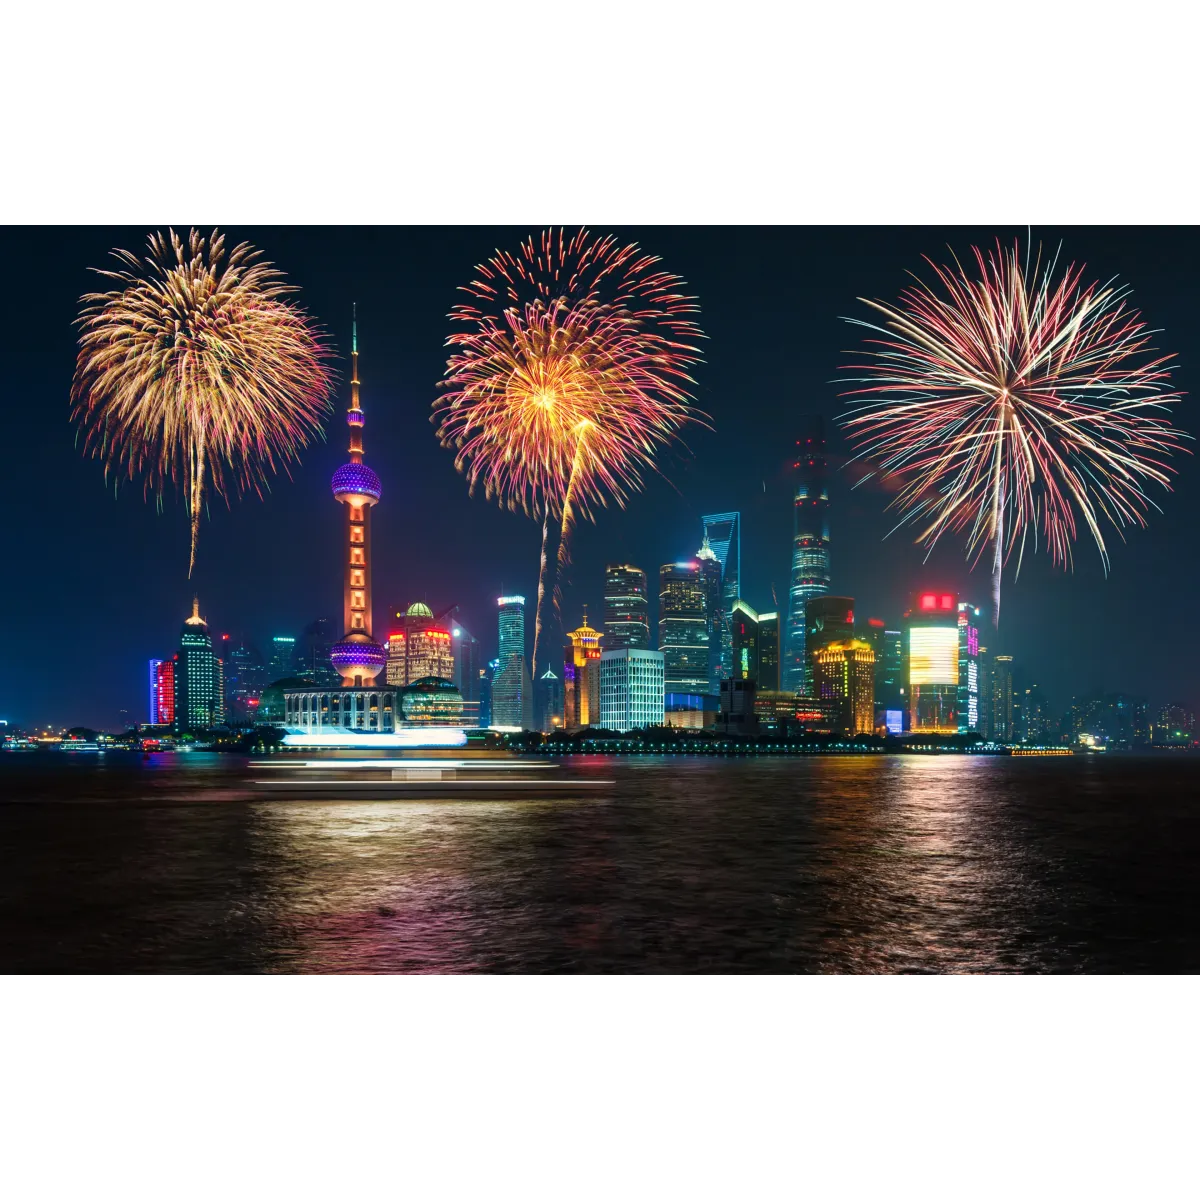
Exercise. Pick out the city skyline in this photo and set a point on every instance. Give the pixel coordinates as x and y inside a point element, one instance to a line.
<point>433,541</point>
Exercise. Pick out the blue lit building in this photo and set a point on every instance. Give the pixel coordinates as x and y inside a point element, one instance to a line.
<point>512,690</point>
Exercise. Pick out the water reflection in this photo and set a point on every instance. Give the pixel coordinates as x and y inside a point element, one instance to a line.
<point>822,864</point>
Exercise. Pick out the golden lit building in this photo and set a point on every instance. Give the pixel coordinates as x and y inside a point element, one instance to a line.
<point>932,641</point>
<point>582,699</point>
<point>845,672</point>
<point>422,649</point>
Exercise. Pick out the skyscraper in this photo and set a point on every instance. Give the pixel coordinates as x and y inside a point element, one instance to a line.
<point>283,658</point>
<point>968,668</point>
<point>626,608</point>
<point>155,663</point>
<point>744,632</point>
<point>313,650</point>
<point>631,689</point>
<point>810,547</point>
<point>722,531</point>
<point>931,628</point>
<point>845,672</point>
<point>548,701</point>
<point>195,676</point>
<point>584,642</point>
<point>768,652</point>
<point>468,662</point>
<point>245,678</point>
<point>166,693</point>
<point>420,649</point>
<point>512,699</point>
<point>358,658</point>
<point>830,619</point>
<point>1002,699</point>
<point>682,627</point>
<point>717,623</point>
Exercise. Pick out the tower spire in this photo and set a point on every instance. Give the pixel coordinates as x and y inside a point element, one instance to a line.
<point>358,658</point>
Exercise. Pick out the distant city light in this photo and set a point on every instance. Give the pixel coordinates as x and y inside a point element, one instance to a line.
<point>412,738</point>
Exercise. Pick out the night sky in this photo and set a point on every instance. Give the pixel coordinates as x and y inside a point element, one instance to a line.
<point>94,585</point>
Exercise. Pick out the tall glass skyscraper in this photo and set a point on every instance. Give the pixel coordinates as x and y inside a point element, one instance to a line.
<point>722,531</point>
<point>626,608</point>
<point>715,621</point>
<point>512,691</point>
<point>810,548</point>
<point>682,627</point>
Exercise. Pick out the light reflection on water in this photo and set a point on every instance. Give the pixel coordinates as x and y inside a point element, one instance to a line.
<point>828,864</point>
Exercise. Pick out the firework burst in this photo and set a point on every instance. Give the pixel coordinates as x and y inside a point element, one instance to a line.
<point>568,375</point>
<point>1013,407</point>
<point>192,368</point>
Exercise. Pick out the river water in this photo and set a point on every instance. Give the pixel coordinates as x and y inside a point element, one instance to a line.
<point>818,864</point>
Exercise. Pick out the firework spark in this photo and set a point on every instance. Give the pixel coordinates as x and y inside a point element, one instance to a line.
<point>569,376</point>
<point>194,369</point>
<point>1013,407</point>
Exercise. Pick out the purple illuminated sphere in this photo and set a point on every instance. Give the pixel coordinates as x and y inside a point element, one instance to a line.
<point>367,658</point>
<point>356,479</point>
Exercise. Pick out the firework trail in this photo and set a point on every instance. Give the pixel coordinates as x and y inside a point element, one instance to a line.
<point>1012,406</point>
<point>568,374</point>
<point>194,369</point>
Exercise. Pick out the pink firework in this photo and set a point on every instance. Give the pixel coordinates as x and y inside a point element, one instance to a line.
<point>1010,406</point>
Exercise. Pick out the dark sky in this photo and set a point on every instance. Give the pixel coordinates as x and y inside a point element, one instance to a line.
<point>95,585</point>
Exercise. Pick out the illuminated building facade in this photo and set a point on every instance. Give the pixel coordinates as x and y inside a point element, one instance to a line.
<point>744,633</point>
<point>245,679</point>
<point>683,627</point>
<point>283,656</point>
<point>164,714</point>
<point>830,619</point>
<point>358,658</point>
<point>715,617</point>
<point>690,710</point>
<point>153,707</point>
<point>845,672</point>
<point>810,549</point>
<point>430,701</point>
<point>968,668</point>
<point>1001,706</point>
<point>723,535</point>
<point>631,689</point>
<point>548,702</point>
<point>768,652</point>
<point>932,645</point>
<point>196,695</point>
<point>626,608</point>
<point>512,690</point>
<point>584,707</point>
<point>319,710</point>
<point>421,649</point>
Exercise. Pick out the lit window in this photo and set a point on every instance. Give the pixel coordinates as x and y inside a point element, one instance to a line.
<point>356,555</point>
<point>356,579</point>
<point>356,533</point>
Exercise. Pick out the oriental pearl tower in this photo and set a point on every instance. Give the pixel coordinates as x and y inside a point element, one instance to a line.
<point>358,657</point>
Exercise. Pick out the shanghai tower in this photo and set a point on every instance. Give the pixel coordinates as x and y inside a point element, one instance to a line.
<point>810,546</point>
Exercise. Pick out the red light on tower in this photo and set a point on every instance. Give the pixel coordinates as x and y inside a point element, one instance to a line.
<point>947,602</point>
<point>928,603</point>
